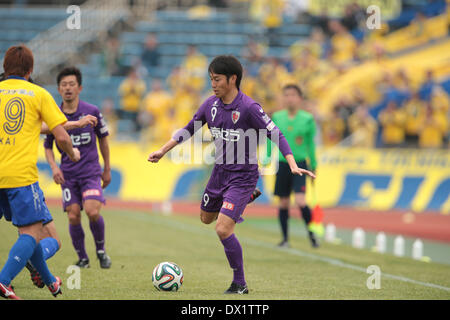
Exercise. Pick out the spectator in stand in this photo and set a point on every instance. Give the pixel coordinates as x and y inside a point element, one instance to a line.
<point>269,13</point>
<point>402,82</point>
<point>273,19</point>
<point>323,22</point>
<point>107,109</point>
<point>363,128</point>
<point>273,76</point>
<point>345,107</point>
<point>350,19</point>
<point>418,25</point>
<point>131,91</point>
<point>176,78</point>
<point>393,120</point>
<point>155,113</point>
<point>333,128</point>
<point>253,54</point>
<point>433,129</point>
<point>315,45</point>
<point>150,55</point>
<point>157,102</point>
<point>249,84</point>
<point>186,100</point>
<point>343,44</point>
<point>111,58</point>
<point>414,108</point>
<point>194,66</point>
<point>427,86</point>
<point>440,99</point>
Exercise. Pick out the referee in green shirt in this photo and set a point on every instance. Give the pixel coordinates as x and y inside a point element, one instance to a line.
<point>299,128</point>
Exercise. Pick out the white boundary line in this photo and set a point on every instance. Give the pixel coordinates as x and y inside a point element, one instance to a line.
<point>339,263</point>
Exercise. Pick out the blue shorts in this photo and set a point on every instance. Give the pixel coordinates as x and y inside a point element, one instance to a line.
<point>24,205</point>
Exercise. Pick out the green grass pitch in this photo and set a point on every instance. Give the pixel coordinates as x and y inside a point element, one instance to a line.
<point>137,241</point>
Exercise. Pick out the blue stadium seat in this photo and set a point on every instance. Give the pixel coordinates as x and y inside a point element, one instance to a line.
<point>138,37</point>
<point>295,29</point>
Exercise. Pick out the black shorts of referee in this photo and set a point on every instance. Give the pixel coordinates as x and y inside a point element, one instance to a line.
<point>286,181</point>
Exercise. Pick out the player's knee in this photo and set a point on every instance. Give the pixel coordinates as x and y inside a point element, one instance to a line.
<point>284,203</point>
<point>300,200</point>
<point>93,214</point>
<point>208,217</point>
<point>74,217</point>
<point>205,219</point>
<point>222,231</point>
<point>301,204</point>
<point>59,244</point>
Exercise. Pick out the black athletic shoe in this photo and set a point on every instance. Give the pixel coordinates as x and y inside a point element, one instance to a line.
<point>313,239</point>
<point>83,263</point>
<point>35,276</point>
<point>256,193</point>
<point>105,260</point>
<point>236,289</point>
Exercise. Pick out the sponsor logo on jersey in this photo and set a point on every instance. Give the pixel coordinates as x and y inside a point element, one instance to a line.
<point>91,192</point>
<point>228,205</point>
<point>225,134</point>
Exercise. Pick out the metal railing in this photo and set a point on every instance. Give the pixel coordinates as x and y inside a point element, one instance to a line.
<point>83,24</point>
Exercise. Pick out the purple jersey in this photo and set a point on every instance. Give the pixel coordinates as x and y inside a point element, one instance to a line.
<point>236,129</point>
<point>85,140</point>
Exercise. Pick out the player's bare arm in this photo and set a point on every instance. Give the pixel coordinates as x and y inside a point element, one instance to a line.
<point>57,174</point>
<point>83,122</point>
<point>104,150</point>
<point>295,169</point>
<point>157,155</point>
<point>65,143</point>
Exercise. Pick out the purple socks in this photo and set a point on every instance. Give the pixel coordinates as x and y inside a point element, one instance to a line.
<point>98,231</point>
<point>233,251</point>
<point>77,235</point>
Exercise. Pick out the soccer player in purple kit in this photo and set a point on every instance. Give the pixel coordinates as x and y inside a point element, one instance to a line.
<point>230,114</point>
<point>81,184</point>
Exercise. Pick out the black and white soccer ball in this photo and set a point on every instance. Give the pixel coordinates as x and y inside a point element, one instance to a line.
<point>167,276</point>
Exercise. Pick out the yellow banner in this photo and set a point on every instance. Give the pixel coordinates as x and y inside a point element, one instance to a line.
<point>388,8</point>
<point>417,180</point>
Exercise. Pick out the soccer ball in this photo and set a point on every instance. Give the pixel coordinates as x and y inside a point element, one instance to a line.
<point>167,276</point>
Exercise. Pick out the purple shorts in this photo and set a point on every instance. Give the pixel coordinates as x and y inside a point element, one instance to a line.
<point>229,192</point>
<point>79,190</point>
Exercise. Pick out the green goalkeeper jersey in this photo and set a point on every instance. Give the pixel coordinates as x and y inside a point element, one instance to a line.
<point>299,132</point>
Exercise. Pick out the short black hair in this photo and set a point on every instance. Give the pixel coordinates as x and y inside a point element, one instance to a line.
<point>69,71</point>
<point>227,65</point>
<point>295,87</point>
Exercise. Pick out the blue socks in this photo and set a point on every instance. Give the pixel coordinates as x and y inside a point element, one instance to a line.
<point>38,261</point>
<point>26,249</point>
<point>19,254</point>
<point>49,247</point>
